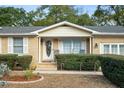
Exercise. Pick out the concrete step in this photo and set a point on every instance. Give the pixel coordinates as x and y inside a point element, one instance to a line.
<point>46,66</point>
<point>46,69</point>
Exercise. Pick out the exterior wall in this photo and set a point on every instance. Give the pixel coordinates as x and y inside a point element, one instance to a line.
<point>105,39</point>
<point>33,48</point>
<point>64,31</point>
<point>55,44</point>
<point>4,45</point>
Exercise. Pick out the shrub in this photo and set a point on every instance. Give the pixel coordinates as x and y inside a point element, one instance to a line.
<point>77,62</point>
<point>28,74</point>
<point>9,58</point>
<point>24,61</point>
<point>113,68</point>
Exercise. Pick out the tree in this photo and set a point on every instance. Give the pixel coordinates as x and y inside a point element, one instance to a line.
<point>48,15</point>
<point>109,15</point>
<point>84,19</point>
<point>10,16</point>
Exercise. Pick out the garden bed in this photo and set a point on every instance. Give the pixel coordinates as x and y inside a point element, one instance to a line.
<point>20,78</point>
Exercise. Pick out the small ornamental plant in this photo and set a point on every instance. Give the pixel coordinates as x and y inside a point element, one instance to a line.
<point>4,69</point>
<point>28,74</point>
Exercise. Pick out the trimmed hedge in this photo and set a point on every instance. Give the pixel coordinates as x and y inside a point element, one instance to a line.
<point>9,58</point>
<point>24,61</point>
<point>77,62</point>
<point>113,68</point>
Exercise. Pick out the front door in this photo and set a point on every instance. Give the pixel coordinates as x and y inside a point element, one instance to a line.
<point>47,50</point>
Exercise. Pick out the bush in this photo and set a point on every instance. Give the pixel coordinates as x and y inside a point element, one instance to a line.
<point>9,58</point>
<point>113,68</point>
<point>24,61</point>
<point>28,74</point>
<point>77,62</point>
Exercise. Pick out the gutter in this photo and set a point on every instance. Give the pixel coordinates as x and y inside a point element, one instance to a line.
<point>19,34</point>
<point>109,34</point>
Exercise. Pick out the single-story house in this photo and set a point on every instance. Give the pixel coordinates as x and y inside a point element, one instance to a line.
<point>42,42</point>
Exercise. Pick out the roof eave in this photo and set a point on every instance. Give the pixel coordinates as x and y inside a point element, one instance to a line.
<point>19,34</point>
<point>108,34</point>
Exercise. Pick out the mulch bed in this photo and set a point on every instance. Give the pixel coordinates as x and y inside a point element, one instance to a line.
<point>20,78</point>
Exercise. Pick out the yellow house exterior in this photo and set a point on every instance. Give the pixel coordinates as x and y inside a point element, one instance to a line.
<point>61,38</point>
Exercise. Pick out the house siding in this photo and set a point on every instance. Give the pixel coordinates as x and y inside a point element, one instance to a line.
<point>33,48</point>
<point>64,31</point>
<point>4,45</point>
<point>105,39</point>
<point>55,44</point>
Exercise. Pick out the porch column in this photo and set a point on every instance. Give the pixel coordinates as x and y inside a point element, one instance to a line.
<point>90,44</point>
<point>39,50</point>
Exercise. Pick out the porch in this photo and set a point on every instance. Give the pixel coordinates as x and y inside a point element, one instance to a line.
<point>49,46</point>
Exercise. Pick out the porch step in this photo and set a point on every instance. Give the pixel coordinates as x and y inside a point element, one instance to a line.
<point>47,66</point>
<point>47,61</point>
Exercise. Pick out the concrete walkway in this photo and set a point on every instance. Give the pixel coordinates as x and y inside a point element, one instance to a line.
<point>70,72</point>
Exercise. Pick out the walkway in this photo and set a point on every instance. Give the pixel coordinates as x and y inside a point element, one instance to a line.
<point>70,72</point>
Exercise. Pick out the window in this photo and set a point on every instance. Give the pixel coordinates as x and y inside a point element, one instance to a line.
<point>76,46</point>
<point>67,46</point>
<point>113,48</point>
<point>72,46</point>
<point>106,49</point>
<point>121,49</point>
<point>18,45</point>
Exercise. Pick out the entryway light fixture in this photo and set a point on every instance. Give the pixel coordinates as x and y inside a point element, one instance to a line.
<point>96,45</point>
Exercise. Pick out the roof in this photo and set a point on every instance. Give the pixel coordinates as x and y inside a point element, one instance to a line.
<point>20,29</point>
<point>107,30</point>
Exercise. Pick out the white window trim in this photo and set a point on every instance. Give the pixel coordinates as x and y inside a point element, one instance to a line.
<point>11,47</point>
<point>110,44</point>
<point>25,45</point>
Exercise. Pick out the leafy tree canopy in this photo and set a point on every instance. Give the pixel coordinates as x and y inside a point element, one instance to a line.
<point>109,15</point>
<point>47,15</point>
<point>10,16</point>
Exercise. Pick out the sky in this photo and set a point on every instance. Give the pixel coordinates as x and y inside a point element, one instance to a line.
<point>85,8</point>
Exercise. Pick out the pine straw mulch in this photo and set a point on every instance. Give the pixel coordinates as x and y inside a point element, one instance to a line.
<point>20,78</point>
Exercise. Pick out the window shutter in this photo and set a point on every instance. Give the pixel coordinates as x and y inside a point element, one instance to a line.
<point>10,45</point>
<point>60,47</point>
<point>25,45</point>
